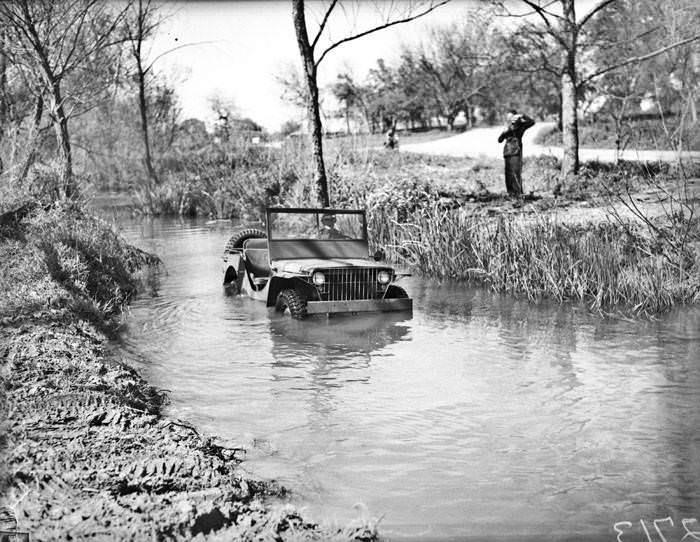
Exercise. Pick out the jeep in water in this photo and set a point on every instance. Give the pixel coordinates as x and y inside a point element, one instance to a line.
<point>312,261</point>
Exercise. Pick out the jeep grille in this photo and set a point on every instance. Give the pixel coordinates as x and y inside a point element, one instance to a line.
<point>351,283</point>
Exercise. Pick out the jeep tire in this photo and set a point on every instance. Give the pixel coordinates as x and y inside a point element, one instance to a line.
<point>290,299</point>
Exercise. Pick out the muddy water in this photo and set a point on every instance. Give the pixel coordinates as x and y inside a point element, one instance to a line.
<point>478,415</point>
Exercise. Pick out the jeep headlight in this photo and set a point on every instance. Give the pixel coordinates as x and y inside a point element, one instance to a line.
<point>384,277</point>
<point>318,278</point>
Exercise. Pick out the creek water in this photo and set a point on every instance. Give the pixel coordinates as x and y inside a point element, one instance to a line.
<point>478,415</point>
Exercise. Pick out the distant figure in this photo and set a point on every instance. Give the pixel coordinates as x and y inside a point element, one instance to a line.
<point>391,141</point>
<point>328,229</point>
<point>513,150</point>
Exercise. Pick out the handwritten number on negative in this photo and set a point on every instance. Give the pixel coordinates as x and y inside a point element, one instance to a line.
<point>618,529</point>
<point>656,526</point>
<point>688,532</point>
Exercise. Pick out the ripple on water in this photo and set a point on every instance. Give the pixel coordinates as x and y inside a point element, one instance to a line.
<point>477,414</point>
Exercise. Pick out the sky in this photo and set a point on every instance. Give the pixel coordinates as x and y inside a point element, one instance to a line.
<point>235,49</point>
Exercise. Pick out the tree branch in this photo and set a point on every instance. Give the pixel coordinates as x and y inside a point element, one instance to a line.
<point>542,12</point>
<point>618,44</point>
<point>323,24</point>
<point>549,28</point>
<point>635,59</point>
<point>536,8</point>
<point>175,49</point>
<point>595,9</point>
<point>377,28</point>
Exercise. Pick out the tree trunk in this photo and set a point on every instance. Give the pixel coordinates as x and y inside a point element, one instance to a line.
<point>3,92</point>
<point>60,122</point>
<point>143,104</point>
<point>143,109</point>
<point>314,115</point>
<point>33,139</point>
<point>569,105</point>
<point>560,119</point>
<point>316,131</point>
<point>3,89</point>
<point>570,163</point>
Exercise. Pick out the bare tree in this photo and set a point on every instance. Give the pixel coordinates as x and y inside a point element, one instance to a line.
<point>51,41</point>
<point>312,54</point>
<point>569,33</point>
<point>142,20</point>
<point>347,92</point>
<point>458,64</point>
<point>139,26</point>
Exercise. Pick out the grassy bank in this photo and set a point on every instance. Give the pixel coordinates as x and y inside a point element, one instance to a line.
<point>86,449</point>
<point>605,265</point>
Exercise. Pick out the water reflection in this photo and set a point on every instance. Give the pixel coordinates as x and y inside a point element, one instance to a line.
<point>337,336</point>
<point>316,358</point>
<point>478,414</point>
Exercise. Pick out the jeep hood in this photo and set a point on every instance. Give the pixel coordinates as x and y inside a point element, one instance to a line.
<point>307,265</point>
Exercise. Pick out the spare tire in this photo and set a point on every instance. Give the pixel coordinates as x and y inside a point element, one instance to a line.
<point>237,240</point>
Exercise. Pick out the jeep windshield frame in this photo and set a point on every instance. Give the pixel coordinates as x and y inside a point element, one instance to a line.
<point>293,233</point>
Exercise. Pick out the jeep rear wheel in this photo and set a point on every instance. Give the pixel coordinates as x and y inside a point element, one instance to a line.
<point>395,292</point>
<point>241,237</point>
<point>290,299</point>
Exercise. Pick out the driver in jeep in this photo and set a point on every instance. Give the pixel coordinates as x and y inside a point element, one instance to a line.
<point>328,229</point>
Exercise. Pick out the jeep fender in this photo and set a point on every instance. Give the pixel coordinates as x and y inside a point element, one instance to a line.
<point>288,280</point>
<point>233,269</point>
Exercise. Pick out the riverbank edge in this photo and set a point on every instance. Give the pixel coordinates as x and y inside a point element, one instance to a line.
<point>87,451</point>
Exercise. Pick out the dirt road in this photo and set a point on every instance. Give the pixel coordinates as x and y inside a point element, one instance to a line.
<point>483,142</point>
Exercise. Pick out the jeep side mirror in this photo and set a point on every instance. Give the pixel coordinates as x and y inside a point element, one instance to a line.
<point>379,255</point>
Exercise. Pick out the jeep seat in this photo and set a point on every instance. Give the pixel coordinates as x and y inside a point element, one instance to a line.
<point>257,257</point>
<point>255,243</point>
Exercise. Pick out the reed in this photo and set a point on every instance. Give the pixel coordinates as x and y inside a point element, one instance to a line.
<point>603,265</point>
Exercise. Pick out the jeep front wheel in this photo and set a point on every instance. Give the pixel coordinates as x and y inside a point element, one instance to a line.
<point>290,299</point>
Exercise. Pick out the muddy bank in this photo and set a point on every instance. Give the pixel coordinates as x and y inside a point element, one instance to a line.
<point>87,452</point>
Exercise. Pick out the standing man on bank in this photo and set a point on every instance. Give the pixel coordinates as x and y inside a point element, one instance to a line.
<point>513,150</point>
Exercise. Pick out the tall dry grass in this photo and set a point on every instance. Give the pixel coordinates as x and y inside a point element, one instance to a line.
<point>602,265</point>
